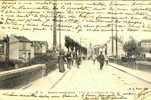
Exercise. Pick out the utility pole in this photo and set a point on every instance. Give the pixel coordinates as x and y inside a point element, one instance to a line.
<point>61,54</point>
<point>60,33</point>
<point>116,41</point>
<point>112,35</point>
<point>54,25</point>
<point>116,22</point>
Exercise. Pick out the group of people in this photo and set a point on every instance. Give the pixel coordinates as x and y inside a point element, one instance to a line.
<point>69,58</point>
<point>73,58</point>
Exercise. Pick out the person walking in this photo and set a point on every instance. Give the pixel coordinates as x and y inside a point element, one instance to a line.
<point>68,59</point>
<point>74,57</point>
<point>78,60</point>
<point>61,61</point>
<point>101,59</point>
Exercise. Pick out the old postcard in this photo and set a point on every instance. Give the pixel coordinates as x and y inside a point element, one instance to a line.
<point>75,49</point>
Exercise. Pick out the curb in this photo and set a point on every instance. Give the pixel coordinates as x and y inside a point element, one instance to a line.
<point>56,82</point>
<point>146,81</point>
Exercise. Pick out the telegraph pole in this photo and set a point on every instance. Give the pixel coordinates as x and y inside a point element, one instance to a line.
<point>54,26</point>
<point>61,54</point>
<point>116,41</point>
<point>112,35</point>
<point>116,22</point>
<point>60,33</point>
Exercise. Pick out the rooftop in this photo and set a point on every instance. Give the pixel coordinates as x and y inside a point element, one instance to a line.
<point>22,39</point>
<point>145,41</point>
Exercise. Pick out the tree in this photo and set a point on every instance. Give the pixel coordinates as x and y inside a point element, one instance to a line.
<point>131,47</point>
<point>72,44</point>
<point>68,42</point>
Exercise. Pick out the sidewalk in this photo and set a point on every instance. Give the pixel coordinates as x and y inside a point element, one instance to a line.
<point>46,82</point>
<point>142,75</point>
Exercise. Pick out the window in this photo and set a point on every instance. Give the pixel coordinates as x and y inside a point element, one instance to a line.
<point>24,46</point>
<point>1,48</point>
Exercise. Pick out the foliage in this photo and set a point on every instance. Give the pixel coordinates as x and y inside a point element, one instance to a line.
<point>131,47</point>
<point>71,44</point>
<point>9,64</point>
<point>50,61</point>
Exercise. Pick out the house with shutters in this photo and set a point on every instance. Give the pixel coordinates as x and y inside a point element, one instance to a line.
<point>16,48</point>
<point>21,48</point>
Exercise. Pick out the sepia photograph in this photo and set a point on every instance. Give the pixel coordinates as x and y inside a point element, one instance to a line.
<point>75,49</point>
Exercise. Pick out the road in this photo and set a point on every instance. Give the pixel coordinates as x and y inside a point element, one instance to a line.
<point>89,77</point>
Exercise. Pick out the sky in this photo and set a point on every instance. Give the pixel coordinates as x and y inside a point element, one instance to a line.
<point>96,38</point>
<point>84,37</point>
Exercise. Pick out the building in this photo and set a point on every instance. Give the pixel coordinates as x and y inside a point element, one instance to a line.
<point>40,47</point>
<point>146,44</point>
<point>98,48</point>
<point>20,48</point>
<point>90,51</point>
<point>16,48</point>
<point>2,50</point>
<point>107,49</point>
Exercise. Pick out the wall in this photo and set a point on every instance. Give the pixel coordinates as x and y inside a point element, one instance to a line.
<point>13,48</point>
<point>44,49</point>
<point>22,76</point>
<point>2,54</point>
<point>24,49</point>
<point>120,49</point>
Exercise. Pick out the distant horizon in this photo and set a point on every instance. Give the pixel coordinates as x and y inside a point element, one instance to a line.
<point>92,40</point>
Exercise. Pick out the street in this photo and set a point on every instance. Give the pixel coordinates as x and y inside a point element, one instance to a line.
<point>88,77</point>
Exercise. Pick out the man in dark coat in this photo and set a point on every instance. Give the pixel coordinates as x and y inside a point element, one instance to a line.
<point>78,60</point>
<point>68,59</point>
<point>101,59</point>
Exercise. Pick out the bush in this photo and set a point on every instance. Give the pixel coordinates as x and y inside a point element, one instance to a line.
<point>148,59</point>
<point>10,64</point>
<point>124,59</point>
<point>50,61</point>
<point>42,59</point>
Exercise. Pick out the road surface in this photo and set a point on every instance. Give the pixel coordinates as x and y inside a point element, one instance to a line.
<point>88,77</point>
